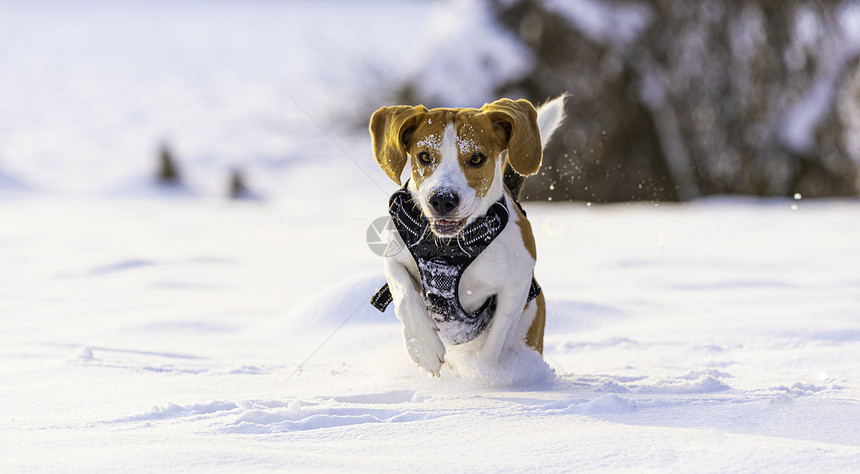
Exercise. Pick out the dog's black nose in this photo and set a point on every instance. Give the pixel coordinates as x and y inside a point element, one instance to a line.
<point>444,202</point>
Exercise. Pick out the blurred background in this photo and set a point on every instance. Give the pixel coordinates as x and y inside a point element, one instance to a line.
<point>669,99</point>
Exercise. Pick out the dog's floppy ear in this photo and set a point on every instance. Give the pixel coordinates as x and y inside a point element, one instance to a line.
<point>389,129</point>
<point>517,119</point>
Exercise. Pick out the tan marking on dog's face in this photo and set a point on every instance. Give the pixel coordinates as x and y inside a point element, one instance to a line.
<point>475,134</point>
<point>476,138</point>
<point>427,138</point>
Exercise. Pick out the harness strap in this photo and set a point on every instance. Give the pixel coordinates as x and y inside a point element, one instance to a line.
<point>382,298</point>
<point>443,261</point>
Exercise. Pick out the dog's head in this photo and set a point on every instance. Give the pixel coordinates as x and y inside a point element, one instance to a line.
<point>456,155</point>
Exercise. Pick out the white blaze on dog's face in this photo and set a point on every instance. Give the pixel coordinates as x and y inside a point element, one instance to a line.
<point>456,167</point>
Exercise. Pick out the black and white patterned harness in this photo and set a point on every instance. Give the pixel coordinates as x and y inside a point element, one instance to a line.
<point>442,262</point>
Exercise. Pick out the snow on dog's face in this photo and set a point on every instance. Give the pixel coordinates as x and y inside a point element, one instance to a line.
<point>456,155</point>
<point>455,162</point>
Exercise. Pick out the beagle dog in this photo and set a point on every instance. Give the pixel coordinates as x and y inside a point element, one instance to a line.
<point>467,277</point>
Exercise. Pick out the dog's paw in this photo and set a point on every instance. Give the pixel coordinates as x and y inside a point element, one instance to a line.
<point>425,347</point>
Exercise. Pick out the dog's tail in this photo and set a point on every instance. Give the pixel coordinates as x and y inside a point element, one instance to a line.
<point>549,119</point>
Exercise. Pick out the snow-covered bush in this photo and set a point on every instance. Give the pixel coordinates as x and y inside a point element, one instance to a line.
<point>670,99</point>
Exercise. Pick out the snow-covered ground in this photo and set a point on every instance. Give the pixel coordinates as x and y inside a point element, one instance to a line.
<point>151,330</point>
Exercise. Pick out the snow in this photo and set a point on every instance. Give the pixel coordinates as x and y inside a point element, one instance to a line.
<point>148,334</point>
<point>159,72</point>
<point>146,329</point>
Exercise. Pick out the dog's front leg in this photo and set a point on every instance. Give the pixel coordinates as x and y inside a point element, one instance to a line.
<point>419,330</point>
<point>509,310</point>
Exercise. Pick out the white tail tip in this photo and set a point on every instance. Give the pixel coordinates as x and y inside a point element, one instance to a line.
<point>550,117</point>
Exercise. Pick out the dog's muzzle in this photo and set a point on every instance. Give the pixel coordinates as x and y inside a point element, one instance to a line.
<point>447,227</point>
<point>443,203</point>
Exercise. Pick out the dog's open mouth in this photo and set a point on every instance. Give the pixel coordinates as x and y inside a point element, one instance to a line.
<point>447,227</point>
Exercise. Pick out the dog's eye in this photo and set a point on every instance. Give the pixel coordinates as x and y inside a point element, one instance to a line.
<point>477,159</point>
<point>425,158</point>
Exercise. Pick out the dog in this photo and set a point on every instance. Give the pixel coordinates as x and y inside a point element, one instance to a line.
<point>468,277</point>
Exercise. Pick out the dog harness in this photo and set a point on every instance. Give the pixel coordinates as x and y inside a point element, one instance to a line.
<point>442,262</point>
